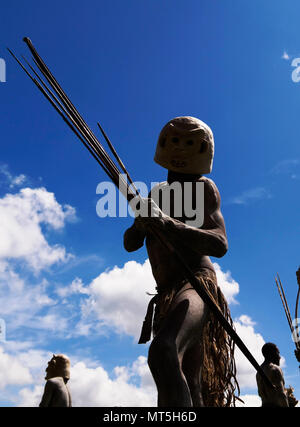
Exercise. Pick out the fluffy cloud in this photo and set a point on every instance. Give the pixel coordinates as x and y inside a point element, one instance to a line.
<point>118,299</point>
<point>11,180</point>
<point>228,285</point>
<point>26,305</point>
<point>12,371</point>
<point>250,401</point>
<point>254,341</point>
<point>75,287</point>
<point>22,216</point>
<point>24,298</point>
<point>21,366</point>
<point>94,387</point>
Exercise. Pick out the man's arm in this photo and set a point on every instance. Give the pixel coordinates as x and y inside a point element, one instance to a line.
<point>47,396</point>
<point>134,237</point>
<point>210,239</point>
<point>278,381</point>
<point>211,242</point>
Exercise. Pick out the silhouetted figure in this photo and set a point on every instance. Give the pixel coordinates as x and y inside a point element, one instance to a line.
<point>277,397</point>
<point>191,356</point>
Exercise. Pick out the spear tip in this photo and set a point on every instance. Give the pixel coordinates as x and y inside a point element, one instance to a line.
<point>27,40</point>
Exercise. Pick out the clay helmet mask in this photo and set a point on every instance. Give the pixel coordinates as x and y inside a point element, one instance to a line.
<point>185,145</point>
<point>58,366</point>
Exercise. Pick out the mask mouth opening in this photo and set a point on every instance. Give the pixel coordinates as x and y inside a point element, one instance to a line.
<point>178,163</point>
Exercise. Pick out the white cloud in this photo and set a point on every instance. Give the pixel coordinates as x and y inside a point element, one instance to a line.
<point>22,215</point>
<point>118,299</point>
<point>285,56</point>
<point>254,341</point>
<point>26,304</point>
<point>24,298</point>
<point>20,301</point>
<point>36,361</point>
<point>75,287</point>
<point>30,397</point>
<point>18,181</point>
<point>246,320</point>
<point>11,180</point>
<point>287,166</point>
<point>250,401</point>
<point>21,366</point>
<point>251,195</point>
<point>12,371</point>
<point>228,285</point>
<point>94,387</point>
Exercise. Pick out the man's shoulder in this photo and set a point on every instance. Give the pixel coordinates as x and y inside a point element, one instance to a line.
<point>211,193</point>
<point>210,187</point>
<point>274,372</point>
<point>157,186</point>
<point>208,182</point>
<point>55,381</point>
<point>272,367</point>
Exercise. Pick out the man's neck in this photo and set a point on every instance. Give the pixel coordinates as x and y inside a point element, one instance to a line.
<point>268,361</point>
<point>182,177</point>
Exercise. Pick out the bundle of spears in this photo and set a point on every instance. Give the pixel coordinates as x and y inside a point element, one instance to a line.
<point>294,325</point>
<point>53,92</point>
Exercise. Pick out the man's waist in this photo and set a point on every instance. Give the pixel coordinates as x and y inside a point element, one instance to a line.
<point>177,281</point>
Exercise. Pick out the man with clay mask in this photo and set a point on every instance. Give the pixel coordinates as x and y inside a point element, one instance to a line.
<point>56,393</point>
<point>191,356</point>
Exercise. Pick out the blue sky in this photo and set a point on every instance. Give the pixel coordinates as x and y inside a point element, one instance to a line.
<point>132,66</point>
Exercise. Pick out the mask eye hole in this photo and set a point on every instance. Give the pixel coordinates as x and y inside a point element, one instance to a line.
<point>190,142</point>
<point>203,147</point>
<point>175,140</point>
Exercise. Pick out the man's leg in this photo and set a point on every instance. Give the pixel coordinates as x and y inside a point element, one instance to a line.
<point>192,368</point>
<point>180,332</point>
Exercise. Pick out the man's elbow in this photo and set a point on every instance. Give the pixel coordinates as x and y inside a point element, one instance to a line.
<point>127,244</point>
<point>129,247</point>
<point>131,244</point>
<point>221,248</point>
